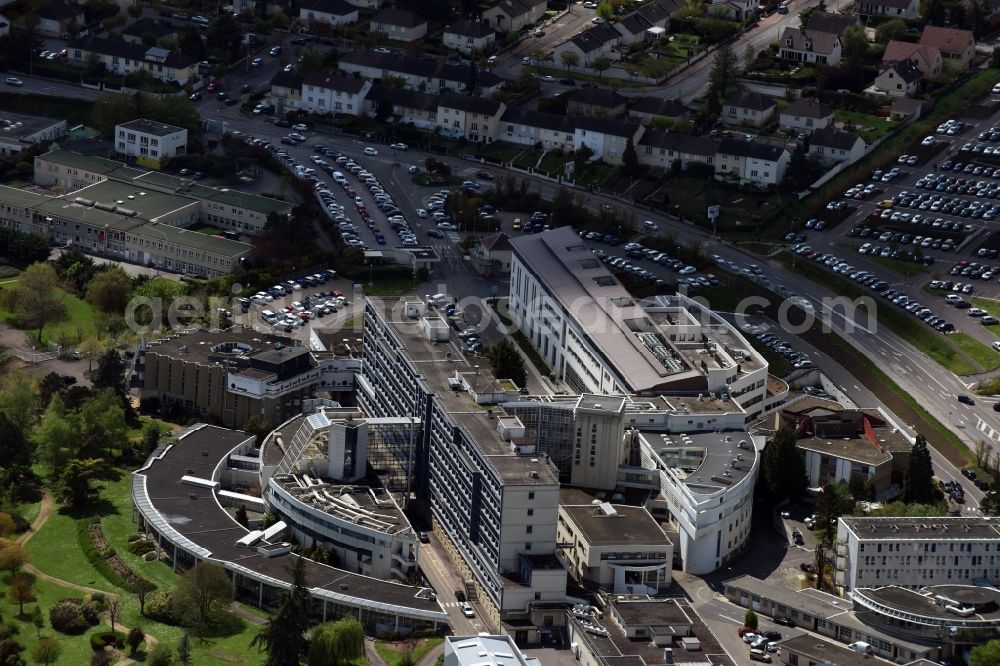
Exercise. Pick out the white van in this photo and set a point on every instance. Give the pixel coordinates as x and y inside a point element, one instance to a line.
<point>269,316</point>
<point>952,298</point>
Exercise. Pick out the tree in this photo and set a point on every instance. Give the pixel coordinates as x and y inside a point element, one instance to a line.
<point>57,437</point>
<point>102,426</point>
<point>834,501</point>
<point>581,156</point>
<point>224,37</point>
<point>750,619</point>
<point>201,590</point>
<point>861,487</point>
<point>601,65</point>
<point>114,605</point>
<point>918,480</point>
<point>933,12</point>
<point>13,556</point>
<point>506,361</point>
<point>21,590</point>
<point>605,10</point>
<point>184,649</point>
<point>109,290</point>
<point>725,69</point>
<point>110,372</point>
<point>569,59</point>
<point>987,654</point>
<point>890,30</point>
<point>143,588</point>
<point>283,637</point>
<point>46,651</point>
<point>257,427</point>
<point>150,437</point>
<point>784,466</point>
<point>76,482</point>
<point>630,159</point>
<point>38,620</point>
<point>35,299</point>
<point>134,639</point>
<point>161,655</point>
<point>340,642</point>
<point>854,42</point>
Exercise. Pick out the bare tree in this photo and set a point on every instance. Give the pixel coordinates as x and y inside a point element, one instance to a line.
<point>114,608</point>
<point>982,453</point>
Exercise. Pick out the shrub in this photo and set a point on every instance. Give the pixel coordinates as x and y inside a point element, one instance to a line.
<point>67,616</point>
<point>160,607</point>
<point>91,612</point>
<point>132,538</point>
<point>101,639</point>
<point>140,547</point>
<point>99,600</point>
<point>160,656</point>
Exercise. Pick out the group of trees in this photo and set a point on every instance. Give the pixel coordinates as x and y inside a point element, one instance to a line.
<point>111,109</point>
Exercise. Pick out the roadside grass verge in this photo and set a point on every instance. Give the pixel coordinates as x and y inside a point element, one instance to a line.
<point>976,350</point>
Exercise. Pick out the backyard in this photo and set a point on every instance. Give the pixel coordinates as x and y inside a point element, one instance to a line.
<point>662,56</point>
<point>865,125</point>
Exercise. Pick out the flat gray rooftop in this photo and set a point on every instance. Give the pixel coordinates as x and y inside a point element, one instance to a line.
<point>22,126</point>
<point>650,612</point>
<point>629,526</point>
<point>925,529</point>
<point>202,346</point>
<point>820,609</point>
<point>151,127</point>
<point>710,464</point>
<point>193,512</point>
<point>437,362</point>
<point>912,601</point>
<point>818,650</point>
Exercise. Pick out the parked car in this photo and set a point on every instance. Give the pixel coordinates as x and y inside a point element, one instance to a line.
<point>14,81</point>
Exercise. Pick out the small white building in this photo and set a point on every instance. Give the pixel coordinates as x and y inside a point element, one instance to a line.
<point>809,46</point>
<point>474,118</point>
<point>899,79</point>
<point>747,108</point>
<point>399,24</point>
<point>606,137</point>
<point>331,12</point>
<point>148,142</point>
<point>469,37</point>
<point>806,115</point>
<point>512,15</point>
<point>332,93</point>
<point>477,650</point>
<point>830,145</point>
<point>754,162</point>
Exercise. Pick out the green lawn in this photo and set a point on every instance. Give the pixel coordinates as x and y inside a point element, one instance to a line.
<point>205,229</point>
<point>869,127</point>
<point>976,350</point>
<point>503,151</point>
<point>988,304</point>
<point>393,284</point>
<point>54,551</point>
<point>900,266</point>
<point>393,655</point>
<point>78,324</point>
<point>526,160</point>
<point>553,162</point>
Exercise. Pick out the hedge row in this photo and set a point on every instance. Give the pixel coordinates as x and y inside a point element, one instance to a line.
<point>101,561</point>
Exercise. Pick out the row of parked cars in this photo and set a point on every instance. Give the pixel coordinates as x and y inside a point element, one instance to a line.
<point>780,346</point>
<point>984,317</point>
<point>297,313</point>
<point>918,310</point>
<point>949,184</point>
<point>974,270</point>
<point>933,202</point>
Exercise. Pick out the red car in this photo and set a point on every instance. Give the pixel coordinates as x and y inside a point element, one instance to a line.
<point>745,630</point>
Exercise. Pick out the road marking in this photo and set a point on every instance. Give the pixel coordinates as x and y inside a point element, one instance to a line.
<point>731,619</point>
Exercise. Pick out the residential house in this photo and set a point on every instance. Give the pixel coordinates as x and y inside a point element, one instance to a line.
<point>596,42</point>
<point>333,93</point>
<point>650,20</point>
<point>899,79</point>
<point>754,162</point>
<point>418,73</point>
<point>735,9</point>
<point>148,142</point>
<point>747,108</point>
<point>472,118</point>
<point>644,109</point>
<point>926,57</point>
<point>399,24</point>
<point>331,12</point>
<point>409,107</point>
<point>122,58</point>
<point>806,115</point>
<point>660,149</point>
<point>286,91</point>
<point>905,9</point>
<point>607,137</point>
<point>467,36</point>
<point>831,145</point>
<point>55,18</point>
<point>492,254</point>
<point>833,24</point>
<point>904,108</point>
<point>803,45</point>
<point>514,15</point>
<point>528,127</point>
<point>957,47</point>
<point>596,102</point>
<point>148,31</point>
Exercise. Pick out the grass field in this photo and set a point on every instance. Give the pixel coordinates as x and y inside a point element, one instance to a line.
<point>900,267</point>
<point>976,350</point>
<point>393,655</point>
<point>867,126</point>
<point>53,550</point>
<point>988,304</point>
<point>78,324</point>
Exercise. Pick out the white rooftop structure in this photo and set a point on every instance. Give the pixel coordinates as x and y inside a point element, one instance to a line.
<point>484,650</point>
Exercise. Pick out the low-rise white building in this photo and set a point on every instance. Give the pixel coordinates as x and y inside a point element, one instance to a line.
<point>467,36</point>
<point>528,127</point>
<point>606,137</point>
<point>331,93</point>
<point>475,650</point>
<point>747,108</point>
<point>399,24</point>
<point>806,115</point>
<point>830,146</point>
<point>809,46</point>
<point>149,142</point>
<point>513,15</point>
<point>754,162</point>
<point>331,12</point>
<point>473,118</point>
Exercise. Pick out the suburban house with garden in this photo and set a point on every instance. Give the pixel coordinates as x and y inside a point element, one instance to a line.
<point>806,115</point>
<point>122,58</point>
<point>606,137</point>
<point>286,91</point>
<point>747,108</point>
<point>753,162</point>
<point>473,118</point>
<point>831,145</point>
<point>904,9</point>
<point>599,41</point>
<point>529,127</point>
<point>418,74</point>
<point>148,29</point>
<point>332,93</point>
<point>467,36</point>
<point>926,57</point>
<point>514,15</point>
<point>899,79</point>
<point>805,46</point>
<point>661,150</point>
<point>648,21</point>
<point>957,47</point>
<point>407,106</point>
<point>331,12</point>
<point>399,24</point>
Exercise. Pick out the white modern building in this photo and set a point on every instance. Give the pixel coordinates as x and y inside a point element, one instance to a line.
<point>916,552</point>
<point>598,339</point>
<point>485,649</point>
<point>148,142</point>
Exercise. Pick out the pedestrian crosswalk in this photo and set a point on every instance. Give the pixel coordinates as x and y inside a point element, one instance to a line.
<point>450,604</point>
